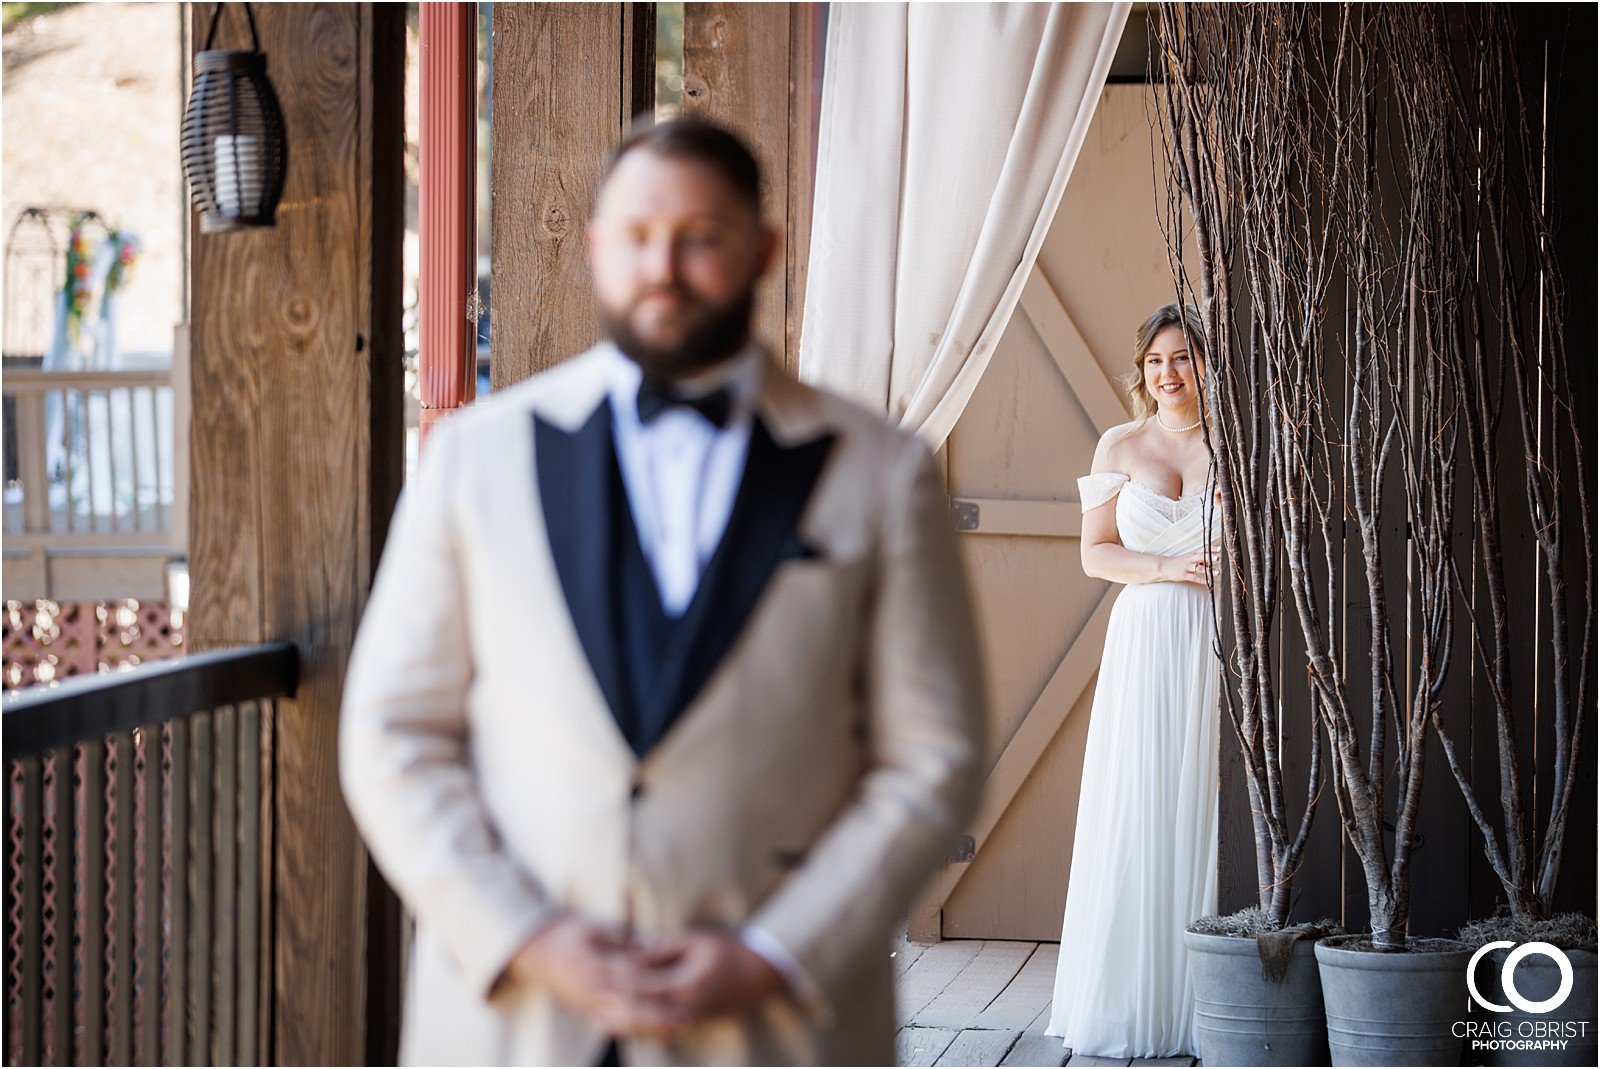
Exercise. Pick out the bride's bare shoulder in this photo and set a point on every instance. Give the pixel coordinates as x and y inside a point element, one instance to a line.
<point>1113,445</point>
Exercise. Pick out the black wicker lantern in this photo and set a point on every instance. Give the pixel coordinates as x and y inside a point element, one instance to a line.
<point>235,149</point>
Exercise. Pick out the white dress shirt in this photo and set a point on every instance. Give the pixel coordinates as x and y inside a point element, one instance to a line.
<point>681,475</point>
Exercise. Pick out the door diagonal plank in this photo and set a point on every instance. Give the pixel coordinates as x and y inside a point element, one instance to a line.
<point>1026,996</point>
<point>975,986</point>
<point>1036,1048</point>
<point>931,973</point>
<point>921,1046</point>
<point>1022,753</point>
<point>977,1047</point>
<point>1045,310</point>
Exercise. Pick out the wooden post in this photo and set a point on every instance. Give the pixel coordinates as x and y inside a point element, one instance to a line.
<point>754,67</point>
<point>447,317</point>
<point>568,80</point>
<point>32,448</point>
<point>178,516</point>
<point>295,465</point>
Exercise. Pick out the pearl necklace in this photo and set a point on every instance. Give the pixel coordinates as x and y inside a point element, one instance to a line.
<point>1177,430</point>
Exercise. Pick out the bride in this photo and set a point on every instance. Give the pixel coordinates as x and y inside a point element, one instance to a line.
<point>1145,854</point>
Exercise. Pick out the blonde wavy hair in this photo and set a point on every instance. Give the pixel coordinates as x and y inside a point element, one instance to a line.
<point>1171,315</point>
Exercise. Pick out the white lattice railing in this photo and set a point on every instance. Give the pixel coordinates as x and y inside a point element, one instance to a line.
<point>93,454</point>
<point>94,480</point>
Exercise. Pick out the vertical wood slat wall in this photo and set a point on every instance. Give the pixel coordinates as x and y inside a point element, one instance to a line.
<point>734,59</point>
<point>295,451</point>
<point>569,78</point>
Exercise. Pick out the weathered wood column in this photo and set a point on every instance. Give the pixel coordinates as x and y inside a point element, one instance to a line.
<point>568,80</point>
<point>296,463</point>
<point>757,68</point>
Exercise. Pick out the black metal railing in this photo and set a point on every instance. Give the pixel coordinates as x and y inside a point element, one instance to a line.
<point>138,846</point>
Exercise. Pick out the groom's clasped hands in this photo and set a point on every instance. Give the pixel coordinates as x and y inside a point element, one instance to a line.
<point>653,989</point>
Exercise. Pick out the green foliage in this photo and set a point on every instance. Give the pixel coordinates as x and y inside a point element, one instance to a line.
<point>669,57</point>
<point>17,14</point>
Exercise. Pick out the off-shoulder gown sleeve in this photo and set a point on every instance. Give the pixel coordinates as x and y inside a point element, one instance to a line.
<point>1095,490</point>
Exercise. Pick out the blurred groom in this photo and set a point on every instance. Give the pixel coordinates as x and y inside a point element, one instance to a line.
<point>667,697</point>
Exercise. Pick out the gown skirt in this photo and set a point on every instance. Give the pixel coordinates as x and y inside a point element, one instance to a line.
<point>1144,855</point>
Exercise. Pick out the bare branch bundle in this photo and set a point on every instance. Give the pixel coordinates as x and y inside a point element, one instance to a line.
<point>1365,158</point>
<point>1230,110</point>
<point>1512,357</point>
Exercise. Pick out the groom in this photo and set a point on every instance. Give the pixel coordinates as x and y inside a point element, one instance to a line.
<point>667,697</point>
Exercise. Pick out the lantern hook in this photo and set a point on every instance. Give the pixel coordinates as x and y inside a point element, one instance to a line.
<point>216,16</point>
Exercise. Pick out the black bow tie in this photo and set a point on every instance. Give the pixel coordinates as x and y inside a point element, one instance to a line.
<point>658,395</point>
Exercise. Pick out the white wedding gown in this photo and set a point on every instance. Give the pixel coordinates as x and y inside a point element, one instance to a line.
<point>1144,859</point>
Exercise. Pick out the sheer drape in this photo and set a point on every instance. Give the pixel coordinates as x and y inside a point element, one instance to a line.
<point>948,133</point>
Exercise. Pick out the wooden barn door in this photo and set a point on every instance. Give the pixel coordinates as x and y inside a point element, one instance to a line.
<point>1013,461</point>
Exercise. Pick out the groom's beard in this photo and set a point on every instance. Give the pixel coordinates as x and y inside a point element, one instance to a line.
<point>719,334</point>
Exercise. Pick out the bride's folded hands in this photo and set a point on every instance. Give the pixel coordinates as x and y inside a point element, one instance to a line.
<point>1105,557</point>
<point>1196,567</point>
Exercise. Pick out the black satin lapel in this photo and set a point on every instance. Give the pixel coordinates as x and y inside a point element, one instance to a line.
<point>772,495</point>
<point>575,472</point>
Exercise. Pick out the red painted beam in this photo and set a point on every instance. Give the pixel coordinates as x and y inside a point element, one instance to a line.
<point>448,192</point>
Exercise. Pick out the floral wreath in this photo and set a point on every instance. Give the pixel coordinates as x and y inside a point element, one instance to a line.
<point>79,286</point>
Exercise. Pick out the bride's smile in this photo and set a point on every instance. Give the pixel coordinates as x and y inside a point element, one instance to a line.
<point>1169,374</point>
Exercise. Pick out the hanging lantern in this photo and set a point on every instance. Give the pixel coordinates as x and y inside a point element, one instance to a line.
<point>235,149</point>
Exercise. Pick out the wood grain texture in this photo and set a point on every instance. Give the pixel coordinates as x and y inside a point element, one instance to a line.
<point>931,974</point>
<point>1036,1048</point>
<point>564,76</point>
<point>978,984</point>
<point>1026,996</point>
<point>295,465</point>
<point>921,1046</point>
<point>735,70</point>
<point>806,27</point>
<point>756,68</point>
<point>977,1047</point>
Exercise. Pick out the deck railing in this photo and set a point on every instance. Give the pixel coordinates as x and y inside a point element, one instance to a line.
<point>137,863</point>
<point>94,454</point>
<point>96,468</point>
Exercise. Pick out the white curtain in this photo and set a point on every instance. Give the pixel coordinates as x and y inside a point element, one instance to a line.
<point>948,134</point>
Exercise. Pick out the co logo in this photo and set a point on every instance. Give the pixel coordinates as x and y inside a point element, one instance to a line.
<point>1508,980</point>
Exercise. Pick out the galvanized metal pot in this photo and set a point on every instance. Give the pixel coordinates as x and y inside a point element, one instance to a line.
<point>1563,1035</point>
<point>1394,1008</point>
<point>1242,1018</point>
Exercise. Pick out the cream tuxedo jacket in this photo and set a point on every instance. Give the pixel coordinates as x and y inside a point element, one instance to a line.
<point>816,776</point>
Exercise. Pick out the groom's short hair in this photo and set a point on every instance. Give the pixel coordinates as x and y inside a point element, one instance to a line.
<point>701,140</point>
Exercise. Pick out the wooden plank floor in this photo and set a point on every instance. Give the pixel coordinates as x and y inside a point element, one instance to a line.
<point>983,1002</point>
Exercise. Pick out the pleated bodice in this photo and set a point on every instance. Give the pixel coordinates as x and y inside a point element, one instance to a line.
<point>1147,521</point>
